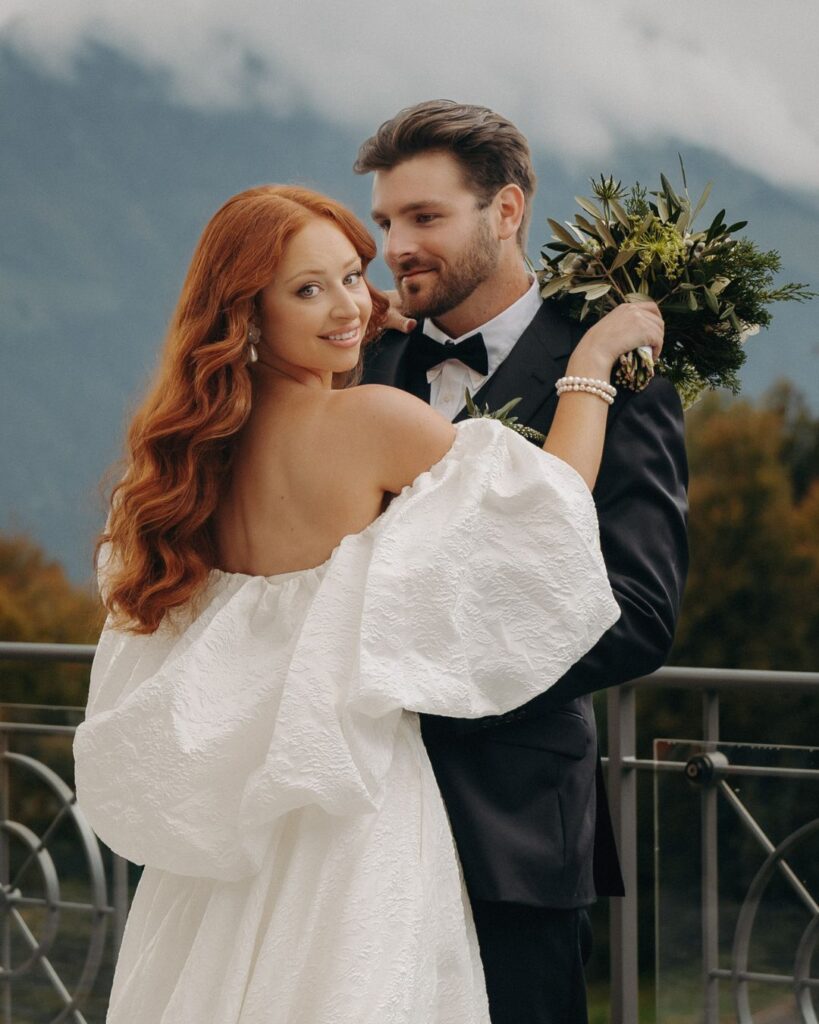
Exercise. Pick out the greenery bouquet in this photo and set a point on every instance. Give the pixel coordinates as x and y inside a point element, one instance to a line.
<point>630,245</point>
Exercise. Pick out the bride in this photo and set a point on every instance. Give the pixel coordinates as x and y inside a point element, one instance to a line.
<point>294,568</point>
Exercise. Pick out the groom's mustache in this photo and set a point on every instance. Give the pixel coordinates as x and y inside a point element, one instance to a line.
<point>411,265</point>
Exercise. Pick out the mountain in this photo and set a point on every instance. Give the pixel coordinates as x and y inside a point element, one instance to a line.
<point>105,184</point>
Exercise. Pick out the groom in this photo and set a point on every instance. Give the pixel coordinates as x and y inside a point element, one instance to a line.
<point>452,192</point>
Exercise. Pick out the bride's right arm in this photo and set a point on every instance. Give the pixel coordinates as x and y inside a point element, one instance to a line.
<point>578,430</point>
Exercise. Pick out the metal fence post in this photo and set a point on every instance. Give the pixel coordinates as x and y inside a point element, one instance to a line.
<point>120,879</point>
<point>622,782</point>
<point>710,870</point>
<point>5,878</point>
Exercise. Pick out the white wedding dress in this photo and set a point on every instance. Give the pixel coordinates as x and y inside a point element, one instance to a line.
<point>261,755</point>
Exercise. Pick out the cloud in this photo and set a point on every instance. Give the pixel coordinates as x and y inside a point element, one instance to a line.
<point>582,78</point>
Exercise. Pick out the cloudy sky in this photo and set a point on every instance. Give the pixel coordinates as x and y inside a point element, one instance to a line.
<point>581,77</point>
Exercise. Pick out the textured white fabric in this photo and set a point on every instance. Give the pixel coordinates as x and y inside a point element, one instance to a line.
<point>261,754</point>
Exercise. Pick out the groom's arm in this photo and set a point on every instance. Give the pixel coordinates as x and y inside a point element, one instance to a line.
<point>642,508</point>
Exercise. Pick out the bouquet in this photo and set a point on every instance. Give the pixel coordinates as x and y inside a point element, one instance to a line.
<point>630,245</point>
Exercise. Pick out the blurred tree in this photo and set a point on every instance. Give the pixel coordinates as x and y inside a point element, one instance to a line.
<point>800,436</point>
<point>749,602</point>
<point>752,599</point>
<point>38,603</point>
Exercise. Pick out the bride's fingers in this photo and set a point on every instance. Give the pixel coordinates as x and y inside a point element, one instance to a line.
<point>396,321</point>
<point>654,341</point>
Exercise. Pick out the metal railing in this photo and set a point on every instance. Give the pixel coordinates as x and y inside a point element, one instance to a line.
<point>37,857</point>
<point>710,770</point>
<point>623,767</point>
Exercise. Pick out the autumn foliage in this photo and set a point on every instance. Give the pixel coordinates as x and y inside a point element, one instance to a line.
<point>38,604</point>
<point>752,599</point>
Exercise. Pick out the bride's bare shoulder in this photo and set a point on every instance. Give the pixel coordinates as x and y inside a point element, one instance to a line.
<point>387,405</point>
<point>401,434</point>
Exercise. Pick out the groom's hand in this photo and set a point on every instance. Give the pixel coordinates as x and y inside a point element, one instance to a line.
<point>396,321</point>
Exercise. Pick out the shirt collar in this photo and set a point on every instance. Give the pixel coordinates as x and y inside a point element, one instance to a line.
<point>502,331</point>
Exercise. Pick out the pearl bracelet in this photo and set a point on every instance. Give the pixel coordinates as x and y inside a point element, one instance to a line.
<point>602,385</point>
<point>599,388</point>
<point>585,387</point>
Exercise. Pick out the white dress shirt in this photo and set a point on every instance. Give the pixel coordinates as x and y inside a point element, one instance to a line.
<point>448,380</point>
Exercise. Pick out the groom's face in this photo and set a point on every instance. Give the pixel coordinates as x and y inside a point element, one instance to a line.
<point>437,241</point>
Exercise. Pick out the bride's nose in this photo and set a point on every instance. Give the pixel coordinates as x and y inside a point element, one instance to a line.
<point>344,307</point>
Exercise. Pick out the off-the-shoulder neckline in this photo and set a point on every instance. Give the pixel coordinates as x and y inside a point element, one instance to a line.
<point>399,499</point>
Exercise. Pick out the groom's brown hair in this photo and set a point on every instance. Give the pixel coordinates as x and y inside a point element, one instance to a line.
<point>490,150</point>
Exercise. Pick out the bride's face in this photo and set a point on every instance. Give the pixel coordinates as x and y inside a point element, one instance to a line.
<point>315,311</point>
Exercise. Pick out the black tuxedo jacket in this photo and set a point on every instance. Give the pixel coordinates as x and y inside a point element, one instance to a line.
<point>524,791</point>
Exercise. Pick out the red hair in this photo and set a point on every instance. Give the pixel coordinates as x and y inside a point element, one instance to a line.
<point>180,444</point>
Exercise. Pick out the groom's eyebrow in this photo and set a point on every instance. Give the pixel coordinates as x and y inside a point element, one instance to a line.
<point>419,204</point>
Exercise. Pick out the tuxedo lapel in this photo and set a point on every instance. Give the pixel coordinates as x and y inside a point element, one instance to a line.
<point>531,368</point>
<point>388,363</point>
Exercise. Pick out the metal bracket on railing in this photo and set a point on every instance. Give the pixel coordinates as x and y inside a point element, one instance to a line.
<point>706,769</point>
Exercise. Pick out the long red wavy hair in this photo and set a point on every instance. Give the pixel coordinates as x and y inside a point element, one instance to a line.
<point>157,548</point>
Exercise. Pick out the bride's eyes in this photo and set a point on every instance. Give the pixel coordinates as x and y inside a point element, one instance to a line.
<point>310,291</point>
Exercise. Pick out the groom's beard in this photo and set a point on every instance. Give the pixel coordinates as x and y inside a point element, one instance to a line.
<point>454,283</point>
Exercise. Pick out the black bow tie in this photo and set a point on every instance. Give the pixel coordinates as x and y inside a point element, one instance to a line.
<point>427,353</point>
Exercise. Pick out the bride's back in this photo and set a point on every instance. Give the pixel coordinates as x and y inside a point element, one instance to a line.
<point>302,479</point>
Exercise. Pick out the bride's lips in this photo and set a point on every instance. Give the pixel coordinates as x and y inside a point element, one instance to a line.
<point>343,339</point>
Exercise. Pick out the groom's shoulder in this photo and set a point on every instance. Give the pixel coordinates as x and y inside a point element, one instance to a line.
<point>556,316</point>
<point>385,344</point>
<point>390,338</point>
<point>384,356</point>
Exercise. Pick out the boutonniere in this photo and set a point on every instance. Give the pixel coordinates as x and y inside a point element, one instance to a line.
<point>502,414</point>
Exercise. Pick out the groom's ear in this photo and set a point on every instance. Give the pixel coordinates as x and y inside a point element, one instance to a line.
<point>509,207</point>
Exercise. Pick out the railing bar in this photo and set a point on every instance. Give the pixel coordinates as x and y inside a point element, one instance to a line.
<point>34,901</point>
<point>756,831</point>
<point>647,765</point>
<point>13,651</point>
<point>709,893</point>
<point>770,979</point>
<point>769,773</point>
<point>678,677</point>
<point>723,678</point>
<point>5,868</point>
<point>65,809</point>
<point>48,968</point>
<point>14,705</point>
<point>31,727</point>
<point>120,873</point>
<point>621,719</point>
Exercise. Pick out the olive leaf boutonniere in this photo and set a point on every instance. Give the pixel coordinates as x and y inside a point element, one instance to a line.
<point>503,416</point>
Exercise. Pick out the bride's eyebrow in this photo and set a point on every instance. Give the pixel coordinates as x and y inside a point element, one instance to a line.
<point>319,273</point>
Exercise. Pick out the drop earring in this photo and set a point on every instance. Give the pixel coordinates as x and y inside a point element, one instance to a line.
<point>253,337</point>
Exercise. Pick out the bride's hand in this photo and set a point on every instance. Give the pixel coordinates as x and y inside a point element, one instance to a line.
<point>396,321</point>
<point>628,326</point>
